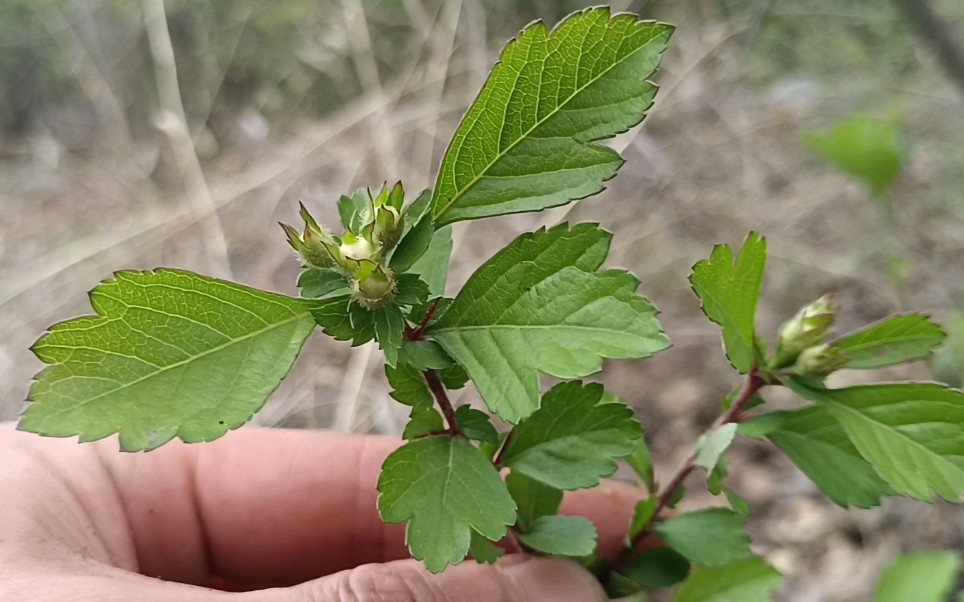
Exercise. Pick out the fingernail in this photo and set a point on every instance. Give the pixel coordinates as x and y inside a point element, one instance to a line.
<point>553,580</point>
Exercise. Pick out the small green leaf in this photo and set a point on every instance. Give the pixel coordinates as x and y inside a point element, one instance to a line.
<point>476,425</point>
<point>425,355</point>
<point>573,439</point>
<point>433,265</point>
<point>750,580</point>
<point>713,445</point>
<point>642,516</point>
<point>418,233</point>
<point>642,464</point>
<point>445,489</point>
<point>484,551</point>
<point>169,354</point>
<point>736,502</point>
<point>817,444</point>
<point>408,385</point>
<point>540,305</point>
<point>389,330</point>
<point>533,499</point>
<point>729,292</point>
<point>911,433</point>
<point>412,290</point>
<point>713,537</point>
<point>928,576</point>
<point>453,377</point>
<point>891,341</point>
<point>355,210</point>
<point>424,420</point>
<point>334,317</point>
<point>662,567</point>
<point>526,143</point>
<point>865,148</point>
<point>320,282</point>
<point>573,536</point>
<point>362,324</point>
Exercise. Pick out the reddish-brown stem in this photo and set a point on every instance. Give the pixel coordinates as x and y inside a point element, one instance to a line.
<point>505,445</point>
<point>438,390</point>
<point>415,334</point>
<point>754,382</point>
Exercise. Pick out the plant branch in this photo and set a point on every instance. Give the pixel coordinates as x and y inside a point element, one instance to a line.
<point>754,382</point>
<point>441,396</point>
<point>415,334</point>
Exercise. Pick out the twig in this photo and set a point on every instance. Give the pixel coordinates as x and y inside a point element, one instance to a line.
<point>441,396</point>
<point>754,383</point>
<point>173,122</point>
<point>936,33</point>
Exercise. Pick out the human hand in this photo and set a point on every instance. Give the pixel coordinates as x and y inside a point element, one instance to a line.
<point>273,515</point>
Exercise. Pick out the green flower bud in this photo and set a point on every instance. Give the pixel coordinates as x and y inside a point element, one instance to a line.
<point>819,361</point>
<point>354,247</point>
<point>388,228</point>
<point>315,247</point>
<point>373,285</point>
<point>810,327</point>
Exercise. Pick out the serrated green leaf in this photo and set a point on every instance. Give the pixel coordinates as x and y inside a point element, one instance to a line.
<point>169,354</point>
<point>911,433</point>
<point>892,341</point>
<point>642,516</point>
<point>453,377</point>
<point>539,305</point>
<point>750,580</point>
<point>433,265</point>
<point>928,576</point>
<point>729,292</point>
<point>818,445</point>
<point>573,536</point>
<point>389,330</point>
<point>418,233</point>
<point>484,551</point>
<point>642,464</point>
<point>533,499</point>
<point>736,502</point>
<point>661,567</point>
<point>525,144</point>
<point>445,489</point>
<point>424,420</point>
<point>711,446</point>
<point>713,537</point>
<point>412,290</point>
<point>321,282</point>
<point>355,210</point>
<point>408,385</point>
<point>574,438</point>
<point>476,425</point>
<point>425,355</point>
<point>362,324</point>
<point>333,315</point>
<point>865,148</point>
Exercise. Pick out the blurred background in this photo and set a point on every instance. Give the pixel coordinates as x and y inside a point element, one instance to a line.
<point>136,134</point>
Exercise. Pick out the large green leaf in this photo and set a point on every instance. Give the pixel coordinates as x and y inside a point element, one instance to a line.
<point>712,537</point>
<point>526,143</point>
<point>540,305</point>
<point>928,576</point>
<point>911,433</point>
<point>729,291</point>
<point>818,445</point>
<point>445,489</point>
<point>574,438</point>
<point>751,580</point>
<point>170,354</point>
<point>891,341</point>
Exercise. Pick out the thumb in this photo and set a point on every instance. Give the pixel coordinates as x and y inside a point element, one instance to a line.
<point>515,578</point>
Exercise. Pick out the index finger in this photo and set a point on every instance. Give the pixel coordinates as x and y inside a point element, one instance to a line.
<point>277,507</point>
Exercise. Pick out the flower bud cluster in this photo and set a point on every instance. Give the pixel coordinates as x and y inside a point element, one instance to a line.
<point>802,340</point>
<point>373,228</point>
